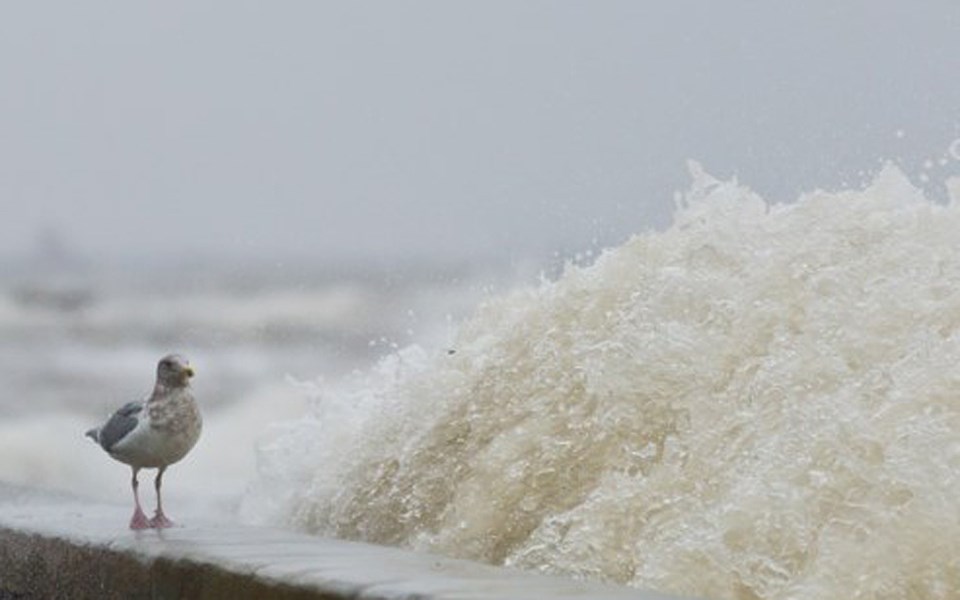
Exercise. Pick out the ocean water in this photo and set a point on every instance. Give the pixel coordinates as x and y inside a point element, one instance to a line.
<point>79,341</point>
<point>761,401</point>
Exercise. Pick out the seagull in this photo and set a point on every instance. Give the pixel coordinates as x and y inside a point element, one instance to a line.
<point>154,433</point>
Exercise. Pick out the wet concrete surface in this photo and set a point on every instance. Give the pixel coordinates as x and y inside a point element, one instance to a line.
<point>57,546</point>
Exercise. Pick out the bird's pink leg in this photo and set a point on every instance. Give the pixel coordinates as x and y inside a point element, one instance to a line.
<point>159,520</point>
<point>138,520</point>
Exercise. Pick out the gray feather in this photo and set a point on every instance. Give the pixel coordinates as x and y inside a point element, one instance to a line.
<point>120,424</point>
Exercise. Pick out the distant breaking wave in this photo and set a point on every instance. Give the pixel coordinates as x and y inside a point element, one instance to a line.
<point>762,401</point>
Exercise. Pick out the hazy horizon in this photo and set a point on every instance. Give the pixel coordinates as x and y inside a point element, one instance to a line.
<point>434,130</point>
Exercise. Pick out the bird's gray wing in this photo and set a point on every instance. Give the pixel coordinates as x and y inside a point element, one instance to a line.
<point>120,424</point>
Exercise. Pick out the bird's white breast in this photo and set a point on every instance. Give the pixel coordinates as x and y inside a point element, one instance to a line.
<point>166,431</point>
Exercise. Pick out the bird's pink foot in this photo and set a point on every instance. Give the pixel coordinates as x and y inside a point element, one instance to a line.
<point>160,521</point>
<point>139,520</point>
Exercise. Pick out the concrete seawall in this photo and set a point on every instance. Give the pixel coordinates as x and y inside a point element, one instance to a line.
<point>54,546</point>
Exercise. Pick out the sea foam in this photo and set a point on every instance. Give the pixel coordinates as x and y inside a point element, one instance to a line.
<point>762,401</point>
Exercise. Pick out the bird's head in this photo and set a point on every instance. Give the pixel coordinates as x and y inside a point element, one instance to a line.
<point>174,370</point>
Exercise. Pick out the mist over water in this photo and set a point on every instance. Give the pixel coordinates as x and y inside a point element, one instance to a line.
<point>78,343</point>
<point>760,401</point>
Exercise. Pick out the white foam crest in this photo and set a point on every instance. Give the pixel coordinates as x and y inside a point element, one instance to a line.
<point>759,402</point>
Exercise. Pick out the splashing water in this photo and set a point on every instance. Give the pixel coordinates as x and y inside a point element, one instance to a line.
<point>762,401</point>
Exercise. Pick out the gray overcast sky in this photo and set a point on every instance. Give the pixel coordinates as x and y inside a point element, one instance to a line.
<point>488,128</point>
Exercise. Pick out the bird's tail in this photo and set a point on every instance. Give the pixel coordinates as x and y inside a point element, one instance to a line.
<point>94,434</point>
